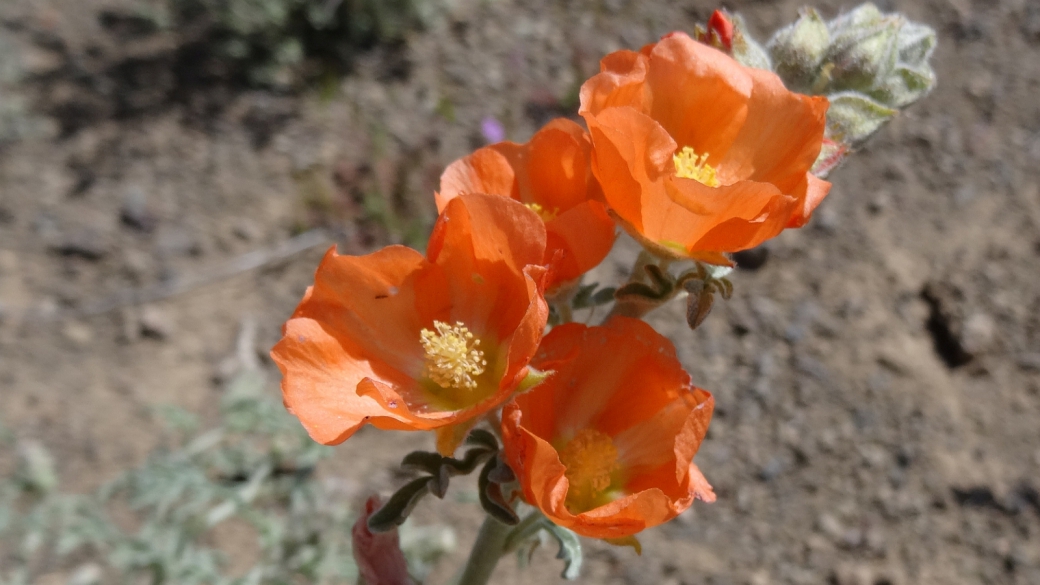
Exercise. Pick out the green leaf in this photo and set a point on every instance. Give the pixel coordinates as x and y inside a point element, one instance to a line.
<point>905,86</point>
<point>491,497</point>
<point>916,43</point>
<point>853,117</point>
<point>603,296</point>
<point>582,298</point>
<point>399,506</point>
<point>482,438</point>
<point>570,549</point>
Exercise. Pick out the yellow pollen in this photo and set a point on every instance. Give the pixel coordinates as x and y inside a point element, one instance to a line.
<point>690,166</point>
<point>591,461</point>
<point>545,214</point>
<point>452,357</point>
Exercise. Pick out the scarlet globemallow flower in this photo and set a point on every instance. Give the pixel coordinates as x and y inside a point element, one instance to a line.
<point>605,445</point>
<point>551,175</point>
<point>699,155</point>
<point>403,341</point>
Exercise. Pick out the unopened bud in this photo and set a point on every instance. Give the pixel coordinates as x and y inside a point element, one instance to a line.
<point>720,29</point>
<point>798,49</point>
<point>916,43</point>
<point>746,49</point>
<point>863,49</point>
<point>904,86</point>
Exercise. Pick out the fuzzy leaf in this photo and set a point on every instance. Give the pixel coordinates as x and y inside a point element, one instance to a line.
<point>399,506</point>
<point>570,550</point>
<point>491,497</point>
<point>853,117</point>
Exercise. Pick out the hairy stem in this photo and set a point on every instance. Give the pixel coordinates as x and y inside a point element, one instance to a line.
<point>489,547</point>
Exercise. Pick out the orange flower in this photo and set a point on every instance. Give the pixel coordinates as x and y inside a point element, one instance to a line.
<point>605,445</point>
<point>699,155</point>
<point>551,175</point>
<point>406,342</point>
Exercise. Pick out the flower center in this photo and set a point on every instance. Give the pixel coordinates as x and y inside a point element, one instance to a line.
<point>452,357</point>
<point>547,215</point>
<point>690,166</point>
<point>591,462</point>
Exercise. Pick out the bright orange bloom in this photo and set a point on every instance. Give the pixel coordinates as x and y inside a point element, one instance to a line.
<point>699,155</point>
<point>403,341</point>
<point>551,175</point>
<point>605,445</point>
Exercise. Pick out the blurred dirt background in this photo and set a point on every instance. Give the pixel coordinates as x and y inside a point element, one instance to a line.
<point>877,373</point>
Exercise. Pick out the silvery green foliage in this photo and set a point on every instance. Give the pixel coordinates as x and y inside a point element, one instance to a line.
<point>256,467</point>
<point>746,50</point>
<point>870,65</point>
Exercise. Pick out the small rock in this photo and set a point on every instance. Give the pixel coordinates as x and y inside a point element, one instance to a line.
<point>155,323</point>
<point>135,211</point>
<point>851,538</point>
<point>130,325</point>
<point>752,259</point>
<point>87,574</point>
<point>85,243</point>
<point>760,577</point>
<point>136,264</point>
<point>78,333</point>
<point>1029,362</point>
<point>38,61</point>
<point>246,230</point>
<point>853,575</point>
<point>876,540</point>
<point>979,333</point>
<point>226,369</point>
<point>880,202</point>
<point>772,468</point>
<point>177,241</point>
<point>827,220</point>
<point>829,525</point>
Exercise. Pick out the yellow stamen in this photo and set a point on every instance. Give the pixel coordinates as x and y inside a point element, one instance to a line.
<point>451,362</point>
<point>545,214</point>
<point>591,461</point>
<point>690,166</point>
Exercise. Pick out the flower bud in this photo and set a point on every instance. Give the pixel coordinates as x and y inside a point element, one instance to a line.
<point>916,43</point>
<point>746,49</point>
<point>798,49</point>
<point>863,49</point>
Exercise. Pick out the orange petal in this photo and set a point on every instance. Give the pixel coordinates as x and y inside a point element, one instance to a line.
<point>700,94</point>
<point>483,243</point>
<point>370,302</point>
<point>732,217</point>
<point>484,171</point>
<point>319,382</point>
<point>620,82</point>
<point>586,234</point>
<point>781,138</point>
<point>809,195</point>
<point>557,167</point>
<point>631,153</point>
<point>621,379</point>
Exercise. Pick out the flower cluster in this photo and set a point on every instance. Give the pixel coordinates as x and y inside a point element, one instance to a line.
<point>694,155</point>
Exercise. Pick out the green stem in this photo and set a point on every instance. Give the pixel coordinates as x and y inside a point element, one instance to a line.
<point>637,310</point>
<point>489,547</point>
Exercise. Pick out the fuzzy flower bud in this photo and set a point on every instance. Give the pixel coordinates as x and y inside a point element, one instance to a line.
<point>798,49</point>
